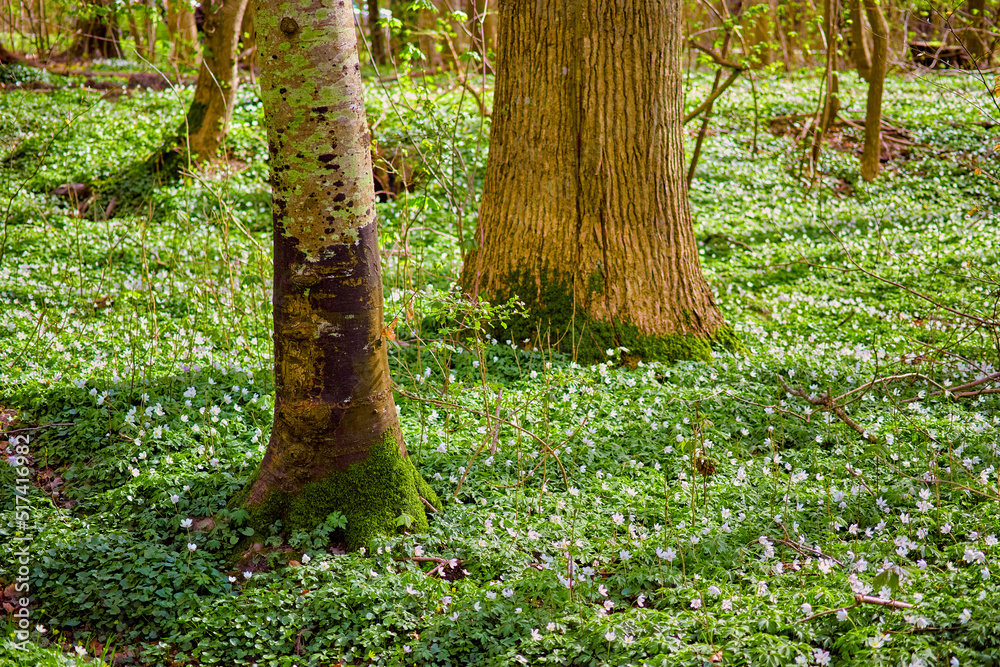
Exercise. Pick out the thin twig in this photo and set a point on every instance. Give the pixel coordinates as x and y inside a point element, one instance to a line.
<point>808,551</point>
<point>826,404</point>
<point>34,428</point>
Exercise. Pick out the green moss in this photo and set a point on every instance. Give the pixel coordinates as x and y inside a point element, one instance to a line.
<point>372,494</point>
<point>554,319</point>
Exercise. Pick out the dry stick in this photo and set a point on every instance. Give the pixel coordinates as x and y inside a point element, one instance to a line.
<point>429,505</point>
<point>827,613</point>
<point>895,604</point>
<point>919,295</point>
<point>34,428</point>
<point>776,408</point>
<point>825,403</point>
<point>857,475</point>
<point>808,551</point>
<point>727,39</point>
<point>858,601</point>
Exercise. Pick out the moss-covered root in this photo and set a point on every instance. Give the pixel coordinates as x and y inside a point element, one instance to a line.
<point>373,494</point>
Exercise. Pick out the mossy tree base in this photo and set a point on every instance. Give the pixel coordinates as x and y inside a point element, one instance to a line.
<point>585,216</point>
<point>373,495</point>
<point>554,320</point>
<point>335,444</point>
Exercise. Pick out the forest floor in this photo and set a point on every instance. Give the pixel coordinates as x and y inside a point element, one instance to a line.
<point>829,497</point>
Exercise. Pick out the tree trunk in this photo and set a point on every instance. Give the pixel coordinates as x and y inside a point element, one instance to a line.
<point>779,35</point>
<point>336,443</point>
<point>830,104</point>
<point>861,41</point>
<point>211,109</point>
<point>9,58</point>
<point>98,33</point>
<point>873,108</point>
<point>183,33</point>
<point>376,35</point>
<point>585,214</point>
<point>975,41</point>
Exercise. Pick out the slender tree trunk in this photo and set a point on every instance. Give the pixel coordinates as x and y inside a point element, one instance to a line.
<point>151,12</point>
<point>585,214</point>
<point>761,35</point>
<point>376,35</point>
<point>183,33</point>
<point>336,443</point>
<point>861,41</point>
<point>779,34</point>
<point>831,99</point>
<point>873,107</point>
<point>138,35</point>
<point>975,40</point>
<point>211,109</point>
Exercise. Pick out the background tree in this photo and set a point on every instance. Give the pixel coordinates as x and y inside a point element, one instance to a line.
<point>876,81</point>
<point>861,41</point>
<point>98,34</point>
<point>336,443</point>
<point>183,31</point>
<point>207,120</point>
<point>585,212</point>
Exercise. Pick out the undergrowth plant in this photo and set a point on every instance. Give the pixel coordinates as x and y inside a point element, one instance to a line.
<point>829,497</point>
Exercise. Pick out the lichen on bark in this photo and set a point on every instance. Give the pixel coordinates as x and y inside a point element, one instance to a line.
<point>335,443</point>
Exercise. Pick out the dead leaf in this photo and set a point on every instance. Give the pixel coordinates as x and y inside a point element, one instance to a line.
<point>716,657</point>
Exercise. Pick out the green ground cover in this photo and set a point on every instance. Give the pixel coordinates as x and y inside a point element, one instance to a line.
<point>620,513</point>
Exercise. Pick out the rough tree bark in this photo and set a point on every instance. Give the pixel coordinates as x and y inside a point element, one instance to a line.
<point>207,120</point>
<point>336,443</point>
<point>873,107</point>
<point>585,214</point>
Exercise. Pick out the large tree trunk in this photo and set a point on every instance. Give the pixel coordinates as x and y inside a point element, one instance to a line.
<point>207,120</point>
<point>585,214</point>
<point>98,33</point>
<point>873,108</point>
<point>183,33</point>
<point>336,443</point>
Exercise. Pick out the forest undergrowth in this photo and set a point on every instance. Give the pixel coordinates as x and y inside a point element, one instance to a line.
<point>828,498</point>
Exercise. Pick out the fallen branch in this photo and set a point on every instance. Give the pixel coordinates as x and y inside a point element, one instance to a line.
<point>428,504</point>
<point>826,403</point>
<point>869,599</point>
<point>34,428</point>
<point>808,551</point>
